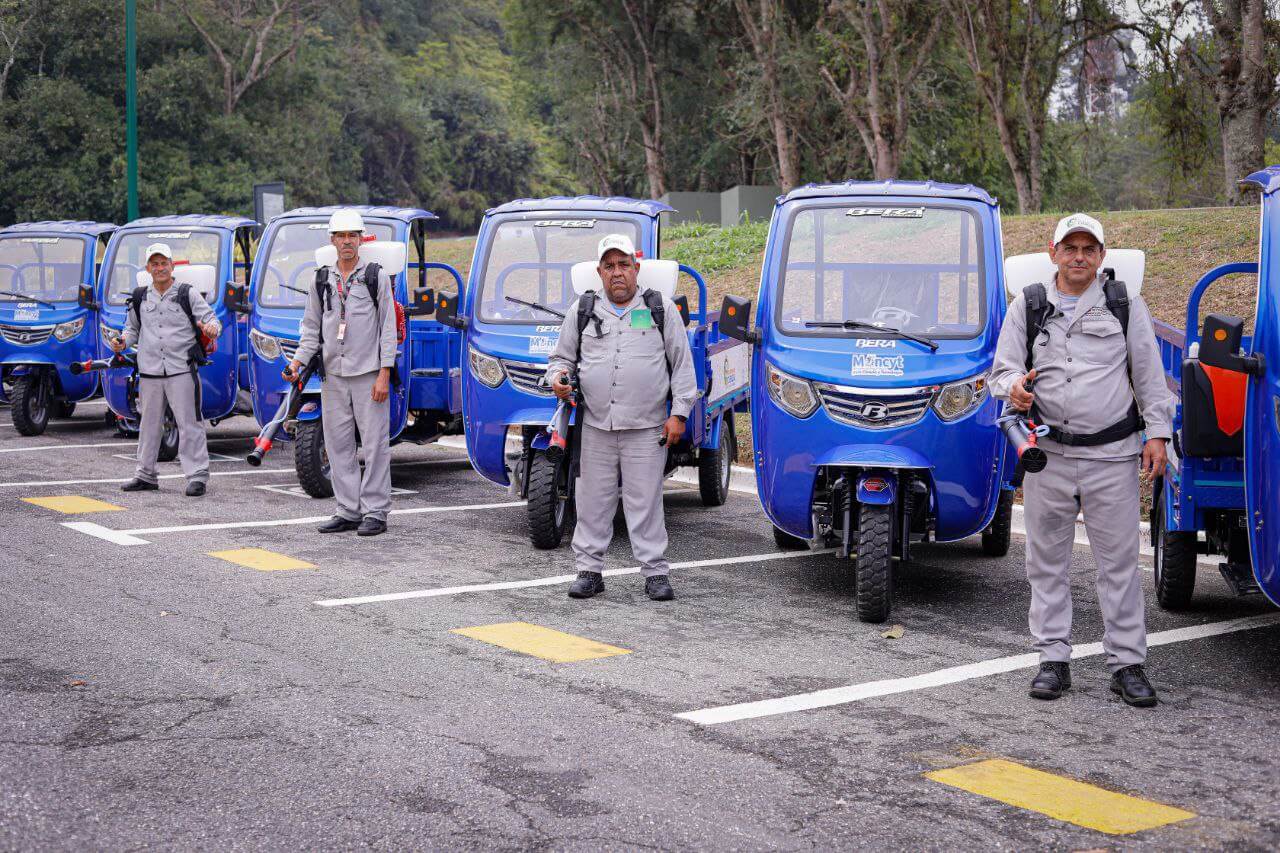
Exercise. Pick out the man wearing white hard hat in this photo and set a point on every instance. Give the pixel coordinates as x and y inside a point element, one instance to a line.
<point>1090,349</point>
<point>630,357</point>
<point>165,323</point>
<point>353,331</point>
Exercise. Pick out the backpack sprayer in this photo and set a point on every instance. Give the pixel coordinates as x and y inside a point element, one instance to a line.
<point>288,410</point>
<point>558,427</point>
<point>1023,433</point>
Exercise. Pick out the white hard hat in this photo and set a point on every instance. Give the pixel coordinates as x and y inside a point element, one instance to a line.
<point>620,242</point>
<point>1078,222</point>
<point>159,249</point>
<point>345,220</point>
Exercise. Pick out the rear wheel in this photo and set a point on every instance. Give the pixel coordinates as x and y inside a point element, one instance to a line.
<point>311,460</point>
<point>995,539</point>
<point>874,564</point>
<point>169,438</point>
<point>715,468</point>
<point>1175,560</point>
<point>550,510</point>
<point>786,541</point>
<point>31,403</point>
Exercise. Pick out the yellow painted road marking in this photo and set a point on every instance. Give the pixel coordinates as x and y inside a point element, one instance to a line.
<point>540,642</point>
<point>1059,797</point>
<point>261,559</point>
<point>73,504</point>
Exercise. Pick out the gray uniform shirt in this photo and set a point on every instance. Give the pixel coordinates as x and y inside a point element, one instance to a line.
<point>370,340</point>
<point>166,336</point>
<point>623,368</point>
<point>1082,381</point>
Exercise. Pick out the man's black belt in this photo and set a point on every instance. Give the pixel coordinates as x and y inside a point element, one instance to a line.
<point>1125,427</point>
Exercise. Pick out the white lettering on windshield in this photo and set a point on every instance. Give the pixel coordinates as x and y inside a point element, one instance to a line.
<point>40,239</point>
<point>565,223</point>
<point>169,236</point>
<point>887,212</point>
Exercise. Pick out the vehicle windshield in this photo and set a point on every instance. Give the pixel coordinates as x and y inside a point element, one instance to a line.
<point>530,259</point>
<point>197,249</point>
<point>48,268</point>
<point>917,269</point>
<point>289,264</point>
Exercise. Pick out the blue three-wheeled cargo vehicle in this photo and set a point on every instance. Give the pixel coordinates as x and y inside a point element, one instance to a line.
<point>879,309</point>
<point>44,325</point>
<point>533,259</point>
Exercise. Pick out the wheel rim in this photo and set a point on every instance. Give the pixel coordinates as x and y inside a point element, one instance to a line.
<point>726,463</point>
<point>324,459</point>
<point>38,405</point>
<point>1158,547</point>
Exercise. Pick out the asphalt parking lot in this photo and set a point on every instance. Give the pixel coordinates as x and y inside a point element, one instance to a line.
<point>211,673</point>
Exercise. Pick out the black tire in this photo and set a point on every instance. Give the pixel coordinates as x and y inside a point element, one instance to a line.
<point>786,541</point>
<point>311,460</point>
<point>995,539</point>
<point>715,467</point>
<point>168,439</point>
<point>550,516</point>
<point>110,421</point>
<point>1175,561</point>
<point>874,564</point>
<point>63,408</point>
<point>32,403</point>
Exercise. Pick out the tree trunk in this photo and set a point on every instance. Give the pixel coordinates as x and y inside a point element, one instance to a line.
<point>1243,146</point>
<point>1244,89</point>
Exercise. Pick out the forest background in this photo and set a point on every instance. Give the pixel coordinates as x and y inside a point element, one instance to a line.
<point>456,105</point>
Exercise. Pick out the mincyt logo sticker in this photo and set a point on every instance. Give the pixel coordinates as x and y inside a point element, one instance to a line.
<point>869,364</point>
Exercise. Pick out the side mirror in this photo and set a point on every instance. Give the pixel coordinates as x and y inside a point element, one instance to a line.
<point>233,298</point>
<point>735,319</point>
<point>447,311</point>
<point>421,301</point>
<point>84,297</point>
<point>1220,346</point>
<point>682,302</point>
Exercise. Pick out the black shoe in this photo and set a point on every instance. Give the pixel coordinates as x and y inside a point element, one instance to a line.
<point>659,588</point>
<point>587,585</point>
<point>338,524</point>
<point>371,527</point>
<point>1053,678</point>
<point>1132,686</point>
<point>136,485</point>
<point>195,489</point>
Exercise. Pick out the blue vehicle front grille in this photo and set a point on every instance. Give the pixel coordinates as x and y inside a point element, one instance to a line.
<point>527,377</point>
<point>874,408</point>
<point>26,335</point>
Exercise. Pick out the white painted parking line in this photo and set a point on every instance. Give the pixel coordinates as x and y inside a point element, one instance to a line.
<point>558,579</point>
<point>296,491</point>
<point>45,447</point>
<point>117,537</point>
<point>161,477</point>
<point>950,675</point>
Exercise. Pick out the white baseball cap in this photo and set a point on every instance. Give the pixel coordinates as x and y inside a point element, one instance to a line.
<point>1078,222</point>
<point>346,220</point>
<point>159,249</point>
<point>620,242</point>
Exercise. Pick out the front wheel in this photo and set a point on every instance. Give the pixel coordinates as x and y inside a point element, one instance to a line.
<point>549,508</point>
<point>715,468</point>
<point>874,566</point>
<point>995,539</point>
<point>787,542</point>
<point>1175,561</point>
<point>31,403</point>
<point>311,460</point>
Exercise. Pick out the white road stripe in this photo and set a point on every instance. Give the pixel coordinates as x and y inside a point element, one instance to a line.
<point>118,537</point>
<point>311,519</point>
<point>950,675</point>
<point>558,579</point>
<point>66,446</point>
<point>38,483</point>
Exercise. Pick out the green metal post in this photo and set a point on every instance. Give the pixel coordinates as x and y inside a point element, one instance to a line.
<point>131,102</point>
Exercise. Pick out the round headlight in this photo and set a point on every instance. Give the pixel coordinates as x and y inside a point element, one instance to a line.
<point>486,368</point>
<point>960,398</point>
<point>791,393</point>
<point>266,346</point>
<point>67,331</point>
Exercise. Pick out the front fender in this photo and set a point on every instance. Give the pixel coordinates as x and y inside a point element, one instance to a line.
<point>872,456</point>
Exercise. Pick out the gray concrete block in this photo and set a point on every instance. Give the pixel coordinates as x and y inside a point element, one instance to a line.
<point>747,202</point>
<point>692,207</point>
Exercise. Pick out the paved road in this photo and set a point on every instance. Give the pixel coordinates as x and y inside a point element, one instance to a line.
<point>154,695</point>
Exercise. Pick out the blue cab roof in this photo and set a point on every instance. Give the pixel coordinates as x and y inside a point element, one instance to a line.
<point>920,189</point>
<point>1267,180</point>
<point>190,220</point>
<point>583,202</point>
<point>404,214</point>
<point>61,226</point>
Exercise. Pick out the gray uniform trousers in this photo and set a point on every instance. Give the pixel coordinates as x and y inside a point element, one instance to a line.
<point>179,392</point>
<point>636,456</point>
<point>1108,491</point>
<point>345,405</point>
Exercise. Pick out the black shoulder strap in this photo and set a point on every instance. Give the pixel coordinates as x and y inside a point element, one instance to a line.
<point>586,312</point>
<point>1117,295</point>
<point>322,287</point>
<point>653,301</point>
<point>1037,306</point>
<point>183,295</point>
<point>135,303</point>
<point>371,273</point>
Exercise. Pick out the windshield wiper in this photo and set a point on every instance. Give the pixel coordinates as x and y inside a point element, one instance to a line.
<point>534,305</point>
<point>872,327</point>
<point>22,297</point>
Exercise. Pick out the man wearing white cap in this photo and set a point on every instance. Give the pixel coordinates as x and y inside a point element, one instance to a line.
<point>627,368</point>
<point>354,332</point>
<point>1099,386</point>
<point>165,326</point>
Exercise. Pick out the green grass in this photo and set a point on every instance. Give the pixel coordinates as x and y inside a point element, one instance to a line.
<point>710,249</point>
